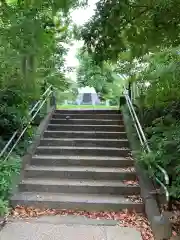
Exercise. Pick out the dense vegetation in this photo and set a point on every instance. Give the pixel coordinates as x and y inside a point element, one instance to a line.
<point>142,38</point>
<point>160,114</point>
<point>102,77</point>
<point>32,40</point>
<point>32,50</point>
<point>137,38</point>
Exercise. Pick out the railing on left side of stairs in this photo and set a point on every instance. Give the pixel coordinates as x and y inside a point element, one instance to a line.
<point>44,98</point>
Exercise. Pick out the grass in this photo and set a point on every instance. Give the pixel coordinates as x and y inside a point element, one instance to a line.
<point>86,107</point>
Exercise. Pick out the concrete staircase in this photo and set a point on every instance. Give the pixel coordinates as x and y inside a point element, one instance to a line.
<point>82,163</point>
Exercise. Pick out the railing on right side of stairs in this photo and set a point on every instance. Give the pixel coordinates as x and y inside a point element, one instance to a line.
<point>18,134</point>
<point>145,145</point>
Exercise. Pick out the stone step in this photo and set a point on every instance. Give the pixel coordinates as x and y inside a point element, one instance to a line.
<point>85,121</point>
<point>90,161</point>
<point>78,186</point>
<point>88,111</point>
<point>79,151</point>
<point>82,162</point>
<point>88,202</point>
<point>71,172</point>
<point>68,127</point>
<point>84,142</point>
<point>87,116</point>
<point>85,134</point>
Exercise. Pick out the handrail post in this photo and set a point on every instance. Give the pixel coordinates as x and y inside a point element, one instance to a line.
<point>53,98</point>
<point>122,101</point>
<point>48,104</point>
<point>129,90</point>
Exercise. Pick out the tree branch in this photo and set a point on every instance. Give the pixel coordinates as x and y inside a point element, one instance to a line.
<point>136,6</point>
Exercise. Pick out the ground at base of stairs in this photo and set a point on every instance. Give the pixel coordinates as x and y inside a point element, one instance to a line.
<point>49,229</point>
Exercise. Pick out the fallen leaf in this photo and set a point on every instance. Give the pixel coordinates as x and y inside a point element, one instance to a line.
<point>135,198</point>
<point>131,183</point>
<point>125,218</point>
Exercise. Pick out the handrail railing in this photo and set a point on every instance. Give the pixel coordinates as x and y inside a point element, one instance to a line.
<point>144,143</point>
<point>37,107</point>
<point>38,102</point>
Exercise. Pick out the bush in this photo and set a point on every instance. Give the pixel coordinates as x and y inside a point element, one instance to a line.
<point>13,111</point>
<point>163,134</point>
<point>8,170</point>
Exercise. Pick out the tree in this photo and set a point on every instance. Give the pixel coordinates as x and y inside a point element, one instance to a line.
<point>139,26</point>
<point>99,77</point>
<point>32,54</point>
<point>142,38</point>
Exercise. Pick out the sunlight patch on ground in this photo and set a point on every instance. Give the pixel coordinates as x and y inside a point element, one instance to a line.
<point>85,107</point>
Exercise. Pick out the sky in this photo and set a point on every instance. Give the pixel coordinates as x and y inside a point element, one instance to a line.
<point>79,16</point>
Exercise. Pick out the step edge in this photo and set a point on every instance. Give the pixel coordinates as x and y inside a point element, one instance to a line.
<point>87,119</point>
<point>58,131</point>
<point>82,157</point>
<point>86,139</point>
<point>86,125</point>
<point>91,198</point>
<point>84,148</point>
<point>76,182</point>
<point>78,169</point>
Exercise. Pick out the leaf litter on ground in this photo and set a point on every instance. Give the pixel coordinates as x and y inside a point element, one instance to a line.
<point>135,198</point>
<point>175,217</point>
<point>131,182</point>
<point>125,218</point>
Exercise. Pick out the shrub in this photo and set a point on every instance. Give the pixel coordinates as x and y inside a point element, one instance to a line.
<point>164,139</point>
<point>8,170</point>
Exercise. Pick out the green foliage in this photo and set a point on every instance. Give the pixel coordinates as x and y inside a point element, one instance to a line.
<point>164,139</point>
<point>4,206</point>
<point>162,73</point>
<point>69,95</point>
<point>142,37</point>
<point>13,111</point>
<point>139,26</point>
<point>101,77</point>
<point>8,170</point>
<point>158,110</point>
<point>32,56</point>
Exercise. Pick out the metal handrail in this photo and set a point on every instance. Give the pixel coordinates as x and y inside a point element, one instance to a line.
<point>144,143</point>
<point>8,143</point>
<point>39,104</point>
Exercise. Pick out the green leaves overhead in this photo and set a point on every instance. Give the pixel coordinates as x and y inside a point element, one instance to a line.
<point>143,37</point>
<point>31,37</point>
<point>90,74</point>
<point>140,26</point>
<point>101,77</point>
<point>31,56</point>
<point>162,71</point>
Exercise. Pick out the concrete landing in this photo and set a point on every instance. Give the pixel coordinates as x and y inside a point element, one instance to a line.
<point>53,229</point>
